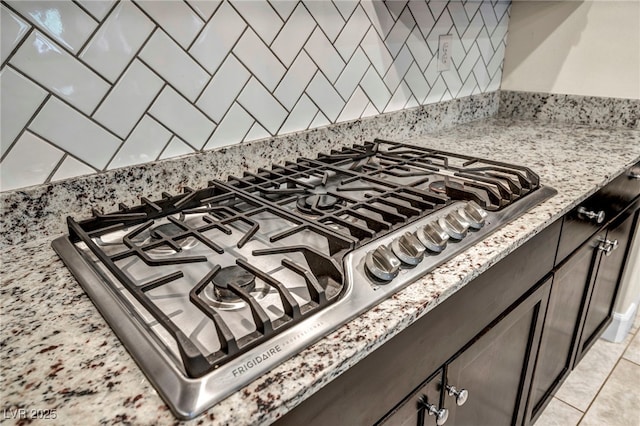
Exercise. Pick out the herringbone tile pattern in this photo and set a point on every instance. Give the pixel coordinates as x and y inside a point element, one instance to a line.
<point>96,85</point>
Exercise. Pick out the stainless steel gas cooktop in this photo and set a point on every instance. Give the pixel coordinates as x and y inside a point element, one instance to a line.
<point>212,288</point>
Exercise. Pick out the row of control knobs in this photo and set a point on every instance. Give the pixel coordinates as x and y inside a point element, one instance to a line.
<point>384,262</point>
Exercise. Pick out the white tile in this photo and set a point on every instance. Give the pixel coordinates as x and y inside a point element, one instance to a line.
<point>319,121</point>
<point>495,81</point>
<point>232,129</point>
<point>283,7</point>
<point>261,17</point>
<point>352,34</point>
<point>325,97</point>
<point>376,51</point>
<point>63,21</point>
<point>484,44</point>
<point>399,98</point>
<point>446,96</point>
<point>12,29</point>
<point>496,61</point>
<point>175,18</point>
<point>129,99</point>
<point>398,69</point>
<point>300,117</point>
<point>204,8</point>
<point>117,41</point>
<point>469,62</point>
<point>458,15</point>
<point>399,32</point>
<point>71,168</point>
<point>419,48</point>
<point>352,74</point>
<point>457,51</point>
<point>472,31</point>
<point>166,58</point>
<point>501,7</point>
<point>176,148</point>
<point>375,89</point>
<point>417,83</point>
<point>379,16</point>
<point>482,76</point>
<point>396,7</point>
<point>256,132</point>
<point>61,73</point>
<point>78,135</point>
<point>30,162</point>
<point>437,92</point>
<point>431,73</point>
<point>355,106</point>
<point>294,34</point>
<point>443,25</point>
<point>223,88</point>
<point>422,14</point>
<point>500,32</point>
<point>437,7</point>
<point>467,88</point>
<point>346,7</point>
<point>20,99</point>
<point>370,111</point>
<point>256,56</point>
<point>295,80</point>
<point>488,16</point>
<point>452,79</point>
<point>218,37</point>
<point>184,119</point>
<point>320,49</point>
<point>262,105</point>
<point>471,7</point>
<point>143,145</point>
<point>327,16</point>
<point>97,8</point>
<point>412,103</point>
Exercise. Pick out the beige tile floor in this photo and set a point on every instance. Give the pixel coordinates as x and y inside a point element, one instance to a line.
<point>604,390</point>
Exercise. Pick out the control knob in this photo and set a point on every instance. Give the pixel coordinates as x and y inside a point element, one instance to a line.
<point>474,214</point>
<point>408,249</point>
<point>382,263</point>
<point>433,237</point>
<point>454,225</point>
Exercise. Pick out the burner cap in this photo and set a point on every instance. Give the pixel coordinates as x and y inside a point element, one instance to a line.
<point>438,186</point>
<point>232,275</point>
<point>168,229</point>
<point>307,204</point>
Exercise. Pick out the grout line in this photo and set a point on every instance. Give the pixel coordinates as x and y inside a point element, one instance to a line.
<point>97,28</point>
<point>57,166</point>
<point>27,124</point>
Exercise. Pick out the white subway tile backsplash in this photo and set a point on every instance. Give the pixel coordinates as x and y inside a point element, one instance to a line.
<point>325,96</point>
<point>175,148</point>
<point>97,8</point>
<point>293,36</point>
<point>153,79</point>
<point>218,37</point>
<point>262,63</point>
<point>176,19</point>
<point>73,132</point>
<point>223,89</point>
<point>174,65</point>
<point>181,117</point>
<point>261,17</point>
<point>71,167</point>
<point>30,162</point>
<point>233,127</point>
<point>143,145</point>
<point>375,88</point>
<point>51,66</point>
<point>19,101</point>
<point>12,30</point>
<point>117,41</point>
<point>63,21</point>
<point>262,105</point>
<point>129,99</point>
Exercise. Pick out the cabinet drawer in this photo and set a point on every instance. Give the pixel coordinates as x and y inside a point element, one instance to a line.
<point>610,200</point>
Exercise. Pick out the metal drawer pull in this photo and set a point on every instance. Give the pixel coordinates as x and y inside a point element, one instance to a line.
<point>441,415</point>
<point>608,246</point>
<point>597,216</point>
<point>634,173</point>
<point>461,395</point>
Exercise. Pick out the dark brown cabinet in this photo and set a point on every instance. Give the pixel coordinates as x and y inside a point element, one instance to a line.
<point>415,410</point>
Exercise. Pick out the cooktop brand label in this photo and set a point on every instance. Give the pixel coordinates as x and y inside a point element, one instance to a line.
<point>256,360</point>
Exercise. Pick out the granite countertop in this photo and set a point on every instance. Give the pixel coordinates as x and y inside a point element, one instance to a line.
<point>59,354</point>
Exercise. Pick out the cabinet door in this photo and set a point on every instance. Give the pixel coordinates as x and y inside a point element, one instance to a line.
<point>496,368</point>
<point>568,293</point>
<point>412,411</point>
<point>605,284</point>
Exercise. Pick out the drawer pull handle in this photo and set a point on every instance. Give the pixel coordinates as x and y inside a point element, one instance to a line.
<point>441,414</point>
<point>608,246</point>
<point>461,395</point>
<point>598,217</point>
<point>634,173</point>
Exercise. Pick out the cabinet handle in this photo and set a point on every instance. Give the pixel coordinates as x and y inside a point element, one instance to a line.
<point>598,217</point>
<point>608,246</point>
<point>634,173</point>
<point>441,414</point>
<point>461,395</point>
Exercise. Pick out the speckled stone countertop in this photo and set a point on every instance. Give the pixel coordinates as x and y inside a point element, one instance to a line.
<point>59,354</point>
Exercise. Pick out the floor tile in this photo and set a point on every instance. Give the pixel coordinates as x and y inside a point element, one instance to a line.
<point>618,403</point>
<point>557,413</point>
<point>633,350</point>
<point>583,383</point>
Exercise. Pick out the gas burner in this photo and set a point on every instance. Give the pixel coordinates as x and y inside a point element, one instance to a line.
<point>232,275</point>
<point>168,230</point>
<point>318,199</point>
<point>438,186</point>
